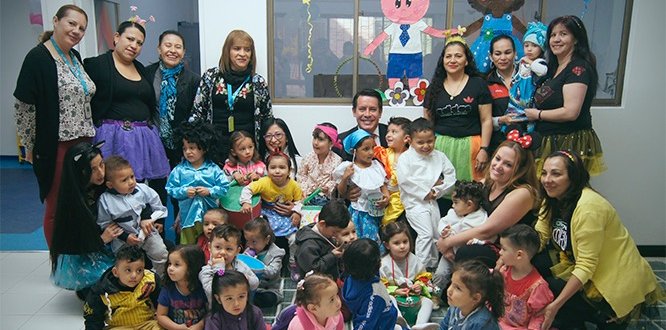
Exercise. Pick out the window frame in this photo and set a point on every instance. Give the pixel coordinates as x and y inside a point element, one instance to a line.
<point>616,101</point>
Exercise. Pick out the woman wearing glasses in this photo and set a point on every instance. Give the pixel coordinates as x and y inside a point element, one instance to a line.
<point>232,96</point>
<point>277,137</point>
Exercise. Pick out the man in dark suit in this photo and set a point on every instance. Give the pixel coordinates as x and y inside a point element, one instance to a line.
<point>367,109</point>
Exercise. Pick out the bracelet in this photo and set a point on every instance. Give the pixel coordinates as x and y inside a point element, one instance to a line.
<point>539,117</point>
<point>484,149</point>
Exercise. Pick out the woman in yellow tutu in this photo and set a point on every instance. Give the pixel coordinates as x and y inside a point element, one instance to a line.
<point>563,100</point>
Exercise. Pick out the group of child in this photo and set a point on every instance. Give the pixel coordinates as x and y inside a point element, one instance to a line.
<point>204,279</point>
<point>414,177</point>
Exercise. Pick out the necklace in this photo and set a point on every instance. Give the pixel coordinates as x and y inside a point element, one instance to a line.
<point>458,89</point>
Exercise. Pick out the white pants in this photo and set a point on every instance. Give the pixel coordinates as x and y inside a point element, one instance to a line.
<point>424,219</point>
<point>442,274</point>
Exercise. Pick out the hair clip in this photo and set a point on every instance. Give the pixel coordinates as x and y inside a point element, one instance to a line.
<point>525,141</point>
<point>220,272</point>
<point>575,20</point>
<point>568,154</point>
<point>491,270</point>
<point>97,146</point>
<point>276,153</point>
<point>137,19</point>
<point>299,285</point>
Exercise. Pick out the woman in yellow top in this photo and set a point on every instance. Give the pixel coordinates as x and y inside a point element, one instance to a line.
<point>597,274</point>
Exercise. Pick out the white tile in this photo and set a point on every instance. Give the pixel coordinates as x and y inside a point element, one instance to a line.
<point>25,303</point>
<point>7,281</point>
<point>64,303</point>
<point>54,322</point>
<point>22,262</point>
<point>35,283</point>
<point>44,268</point>
<point>13,322</point>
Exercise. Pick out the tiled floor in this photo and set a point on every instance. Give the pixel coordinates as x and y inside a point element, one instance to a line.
<point>29,301</point>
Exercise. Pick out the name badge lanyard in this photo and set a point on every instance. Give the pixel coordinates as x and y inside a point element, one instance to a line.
<point>75,69</point>
<point>231,99</point>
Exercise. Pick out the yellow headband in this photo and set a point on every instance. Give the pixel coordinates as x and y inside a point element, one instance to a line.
<point>452,35</point>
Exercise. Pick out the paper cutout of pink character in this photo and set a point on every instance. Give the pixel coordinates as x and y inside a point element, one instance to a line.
<point>406,53</point>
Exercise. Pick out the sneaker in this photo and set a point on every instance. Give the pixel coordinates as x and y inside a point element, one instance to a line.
<point>294,275</point>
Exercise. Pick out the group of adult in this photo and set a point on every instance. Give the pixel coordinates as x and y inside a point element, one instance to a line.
<point>71,113</point>
<point>65,109</point>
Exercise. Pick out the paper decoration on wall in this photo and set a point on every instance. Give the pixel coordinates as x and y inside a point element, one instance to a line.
<point>587,5</point>
<point>397,96</point>
<point>418,92</point>
<point>35,12</point>
<point>380,76</point>
<point>406,52</point>
<point>308,66</point>
<point>497,20</point>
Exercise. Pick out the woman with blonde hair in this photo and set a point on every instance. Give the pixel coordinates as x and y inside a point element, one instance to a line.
<point>232,96</point>
<point>510,197</point>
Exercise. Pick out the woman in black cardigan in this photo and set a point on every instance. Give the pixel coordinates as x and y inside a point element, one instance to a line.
<point>53,95</point>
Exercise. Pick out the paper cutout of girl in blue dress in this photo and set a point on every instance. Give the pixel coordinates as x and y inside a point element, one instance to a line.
<point>497,20</point>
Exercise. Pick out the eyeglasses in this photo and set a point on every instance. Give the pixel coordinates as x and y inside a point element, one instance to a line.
<point>277,136</point>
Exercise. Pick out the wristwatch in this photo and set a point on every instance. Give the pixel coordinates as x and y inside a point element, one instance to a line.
<point>484,149</point>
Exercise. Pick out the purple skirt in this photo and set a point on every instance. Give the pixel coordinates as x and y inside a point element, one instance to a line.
<point>138,143</point>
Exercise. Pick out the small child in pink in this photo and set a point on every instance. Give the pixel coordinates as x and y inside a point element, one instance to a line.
<point>318,304</point>
<point>526,293</point>
<point>244,163</point>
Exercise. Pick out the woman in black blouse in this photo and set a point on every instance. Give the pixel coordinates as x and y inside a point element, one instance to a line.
<point>124,107</point>
<point>563,101</point>
<point>458,103</point>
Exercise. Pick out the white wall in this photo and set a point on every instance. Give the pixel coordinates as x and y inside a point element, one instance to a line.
<point>633,135</point>
<point>17,36</point>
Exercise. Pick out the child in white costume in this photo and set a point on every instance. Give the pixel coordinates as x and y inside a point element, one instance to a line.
<point>368,174</point>
<point>424,175</point>
<point>466,213</point>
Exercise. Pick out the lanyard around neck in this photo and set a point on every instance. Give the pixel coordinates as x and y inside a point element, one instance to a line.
<point>74,66</point>
<point>406,269</point>
<point>231,97</point>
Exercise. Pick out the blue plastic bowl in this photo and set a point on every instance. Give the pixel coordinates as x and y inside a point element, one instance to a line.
<point>257,266</point>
